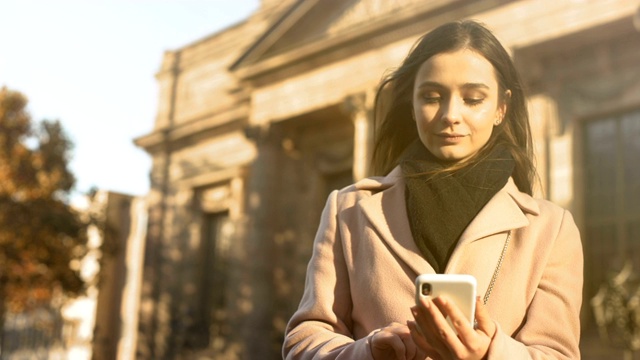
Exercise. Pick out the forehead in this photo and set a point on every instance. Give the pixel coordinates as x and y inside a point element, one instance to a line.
<point>452,69</point>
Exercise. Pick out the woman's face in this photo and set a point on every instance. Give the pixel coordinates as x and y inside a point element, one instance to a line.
<point>456,104</point>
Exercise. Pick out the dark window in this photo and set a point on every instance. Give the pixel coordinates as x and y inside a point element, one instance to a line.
<point>210,318</point>
<point>612,178</point>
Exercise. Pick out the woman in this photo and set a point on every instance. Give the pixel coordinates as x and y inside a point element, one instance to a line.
<point>455,143</point>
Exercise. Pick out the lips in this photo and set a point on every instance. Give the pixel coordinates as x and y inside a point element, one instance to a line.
<point>450,136</point>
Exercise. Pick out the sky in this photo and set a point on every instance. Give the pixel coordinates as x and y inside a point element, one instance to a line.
<point>91,64</point>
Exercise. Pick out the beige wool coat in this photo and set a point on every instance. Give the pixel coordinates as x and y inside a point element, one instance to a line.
<point>361,274</point>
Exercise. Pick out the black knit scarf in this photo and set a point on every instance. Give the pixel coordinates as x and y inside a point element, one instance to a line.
<point>442,204</point>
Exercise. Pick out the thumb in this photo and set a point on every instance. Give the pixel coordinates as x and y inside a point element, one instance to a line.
<point>485,323</point>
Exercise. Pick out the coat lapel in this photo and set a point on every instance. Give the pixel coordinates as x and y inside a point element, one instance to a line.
<point>480,246</point>
<point>387,212</point>
<point>500,214</point>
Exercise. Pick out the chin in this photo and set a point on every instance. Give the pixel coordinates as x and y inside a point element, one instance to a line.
<point>450,157</point>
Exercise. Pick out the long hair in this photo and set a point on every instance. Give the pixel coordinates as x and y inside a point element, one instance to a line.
<point>395,128</point>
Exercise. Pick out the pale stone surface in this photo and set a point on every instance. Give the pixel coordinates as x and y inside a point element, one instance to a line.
<point>542,117</point>
<point>363,12</point>
<point>525,23</point>
<point>562,164</point>
<point>226,151</point>
<point>309,91</point>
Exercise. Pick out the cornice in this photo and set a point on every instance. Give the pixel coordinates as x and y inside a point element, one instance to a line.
<point>287,19</point>
<point>408,22</point>
<point>212,178</point>
<point>149,141</point>
<point>167,137</point>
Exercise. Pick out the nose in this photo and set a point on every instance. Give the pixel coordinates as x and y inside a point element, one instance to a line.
<point>451,111</point>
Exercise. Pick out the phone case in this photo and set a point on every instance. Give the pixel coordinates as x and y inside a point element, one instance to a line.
<point>459,288</point>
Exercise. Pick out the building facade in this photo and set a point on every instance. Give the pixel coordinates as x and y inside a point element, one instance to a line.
<point>258,123</point>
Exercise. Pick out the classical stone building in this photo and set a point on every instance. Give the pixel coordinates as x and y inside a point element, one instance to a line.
<point>259,122</point>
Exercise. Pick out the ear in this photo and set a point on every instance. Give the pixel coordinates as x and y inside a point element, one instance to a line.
<point>502,107</point>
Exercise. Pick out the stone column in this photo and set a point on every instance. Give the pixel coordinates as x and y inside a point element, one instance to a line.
<point>153,312</point>
<point>262,209</point>
<point>359,108</point>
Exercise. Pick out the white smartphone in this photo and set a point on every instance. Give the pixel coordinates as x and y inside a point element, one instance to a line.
<point>459,288</point>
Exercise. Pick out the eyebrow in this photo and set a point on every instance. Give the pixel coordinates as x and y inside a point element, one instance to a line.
<point>434,84</point>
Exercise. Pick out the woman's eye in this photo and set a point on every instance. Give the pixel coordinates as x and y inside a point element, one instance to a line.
<point>431,99</point>
<point>474,101</point>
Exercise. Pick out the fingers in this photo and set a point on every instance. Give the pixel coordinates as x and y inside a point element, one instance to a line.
<point>416,335</point>
<point>389,341</point>
<point>440,308</point>
<point>485,323</point>
<point>466,335</point>
<point>393,341</point>
<point>458,339</point>
<point>407,346</point>
<point>458,320</point>
<point>421,342</point>
<point>434,326</point>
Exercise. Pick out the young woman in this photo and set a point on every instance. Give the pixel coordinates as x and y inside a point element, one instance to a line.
<point>454,142</point>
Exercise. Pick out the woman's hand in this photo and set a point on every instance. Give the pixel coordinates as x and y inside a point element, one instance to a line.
<point>394,342</point>
<point>432,333</point>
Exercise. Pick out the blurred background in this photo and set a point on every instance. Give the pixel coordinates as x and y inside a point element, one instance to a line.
<point>165,163</point>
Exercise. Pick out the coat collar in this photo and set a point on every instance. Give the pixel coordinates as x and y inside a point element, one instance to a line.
<point>386,210</point>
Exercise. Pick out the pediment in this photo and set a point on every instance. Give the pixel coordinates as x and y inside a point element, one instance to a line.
<point>316,21</point>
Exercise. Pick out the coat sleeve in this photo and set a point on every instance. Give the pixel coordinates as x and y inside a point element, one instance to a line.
<point>320,328</point>
<point>552,326</point>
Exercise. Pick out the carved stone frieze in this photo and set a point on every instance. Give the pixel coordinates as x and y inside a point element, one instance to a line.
<point>364,11</point>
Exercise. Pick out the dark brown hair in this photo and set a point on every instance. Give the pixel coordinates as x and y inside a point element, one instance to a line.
<point>395,128</point>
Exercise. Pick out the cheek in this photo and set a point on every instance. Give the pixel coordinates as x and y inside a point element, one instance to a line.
<point>485,114</point>
<point>483,121</point>
<point>425,116</point>
<point>424,124</point>
<point>481,135</point>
